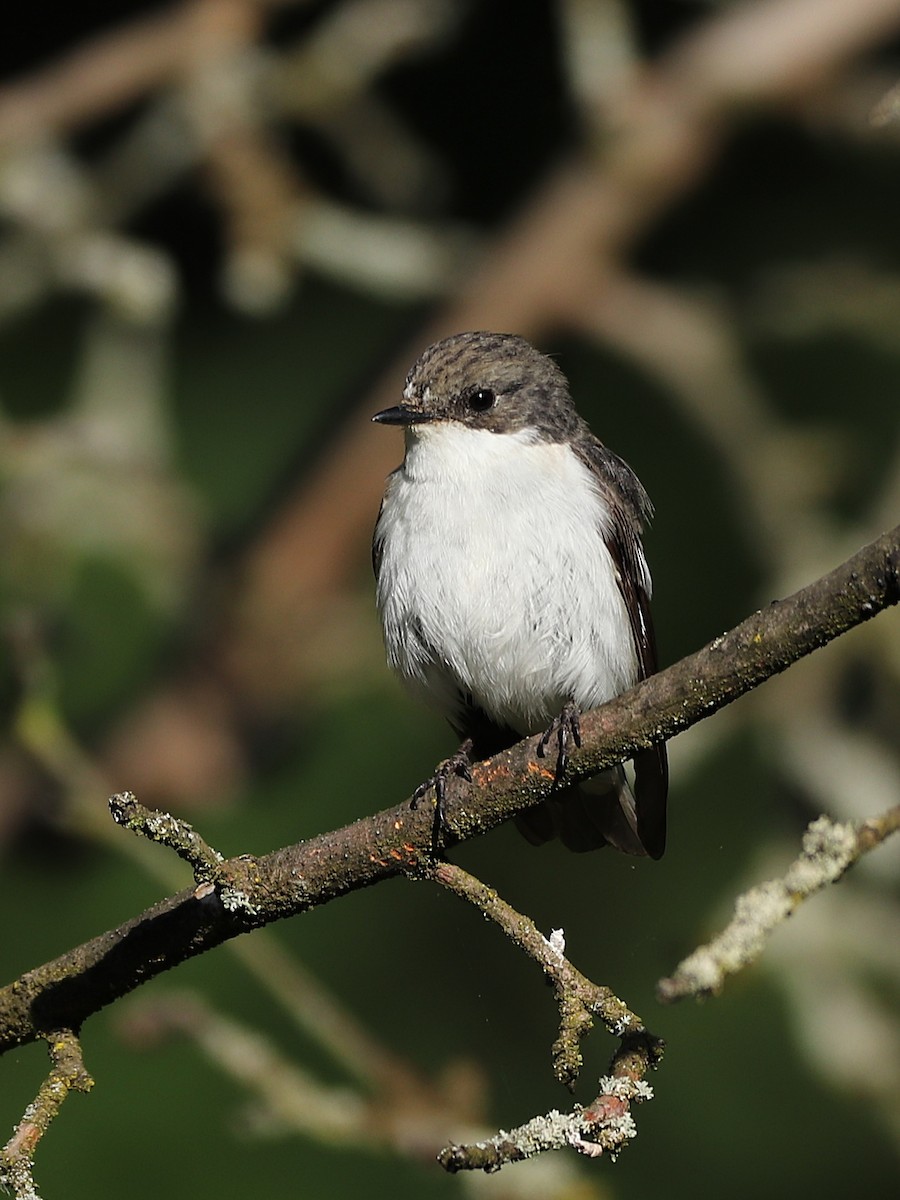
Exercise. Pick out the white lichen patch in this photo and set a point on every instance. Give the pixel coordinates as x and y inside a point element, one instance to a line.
<point>237,901</point>
<point>829,847</point>
<point>622,1128</point>
<point>592,1132</point>
<point>642,1090</point>
<point>624,1088</point>
<point>557,942</point>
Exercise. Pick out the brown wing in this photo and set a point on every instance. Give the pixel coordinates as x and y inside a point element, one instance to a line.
<point>629,505</point>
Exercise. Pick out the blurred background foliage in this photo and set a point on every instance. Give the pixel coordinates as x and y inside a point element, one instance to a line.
<point>228,228</point>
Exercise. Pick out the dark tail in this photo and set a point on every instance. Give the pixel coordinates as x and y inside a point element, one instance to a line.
<point>605,811</point>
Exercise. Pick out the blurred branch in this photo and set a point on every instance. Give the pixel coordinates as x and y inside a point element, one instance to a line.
<point>217,98</point>
<point>250,892</point>
<point>839,971</point>
<point>286,1099</point>
<point>829,849</point>
<point>390,256</point>
<point>290,1096</point>
<point>887,109</point>
<point>115,69</point>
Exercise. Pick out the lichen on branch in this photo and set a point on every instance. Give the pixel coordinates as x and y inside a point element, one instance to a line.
<point>829,849</point>
<point>67,1074</point>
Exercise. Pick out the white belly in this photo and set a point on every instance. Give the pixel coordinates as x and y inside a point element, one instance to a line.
<point>495,582</point>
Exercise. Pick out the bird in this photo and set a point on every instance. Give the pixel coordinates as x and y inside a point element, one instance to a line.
<point>511,579</point>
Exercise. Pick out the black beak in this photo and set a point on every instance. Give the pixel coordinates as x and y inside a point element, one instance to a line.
<point>401,415</point>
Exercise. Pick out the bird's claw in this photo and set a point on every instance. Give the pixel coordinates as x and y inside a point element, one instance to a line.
<point>459,764</point>
<point>567,728</point>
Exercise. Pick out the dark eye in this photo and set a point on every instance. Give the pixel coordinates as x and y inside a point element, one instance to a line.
<point>481,400</point>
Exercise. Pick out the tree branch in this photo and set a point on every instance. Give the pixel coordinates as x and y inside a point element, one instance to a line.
<point>604,1127</point>
<point>169,831</point>
<point>829,849</point>
<point>249,892</point>
<point>67,1074</point>
<point>578,999</point>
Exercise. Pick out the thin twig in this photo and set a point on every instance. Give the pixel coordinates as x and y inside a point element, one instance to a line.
<point>168,831</point>
<point>605,1127</point>
<point>579,1000</point>
<point>67,1074</point>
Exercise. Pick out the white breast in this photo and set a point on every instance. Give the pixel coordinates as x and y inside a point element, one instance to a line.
<point>495,581</point>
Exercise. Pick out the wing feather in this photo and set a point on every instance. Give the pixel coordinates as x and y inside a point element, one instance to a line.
<point>629,507</point>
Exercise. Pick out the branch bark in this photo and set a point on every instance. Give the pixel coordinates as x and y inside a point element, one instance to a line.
<point>578,999</point>
<point>246,892</point>
<point>606,1126</point>
<point>68,1074</point>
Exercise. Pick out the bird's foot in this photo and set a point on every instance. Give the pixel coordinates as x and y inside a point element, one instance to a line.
<point>459,764</point>
<point>567,728</point>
